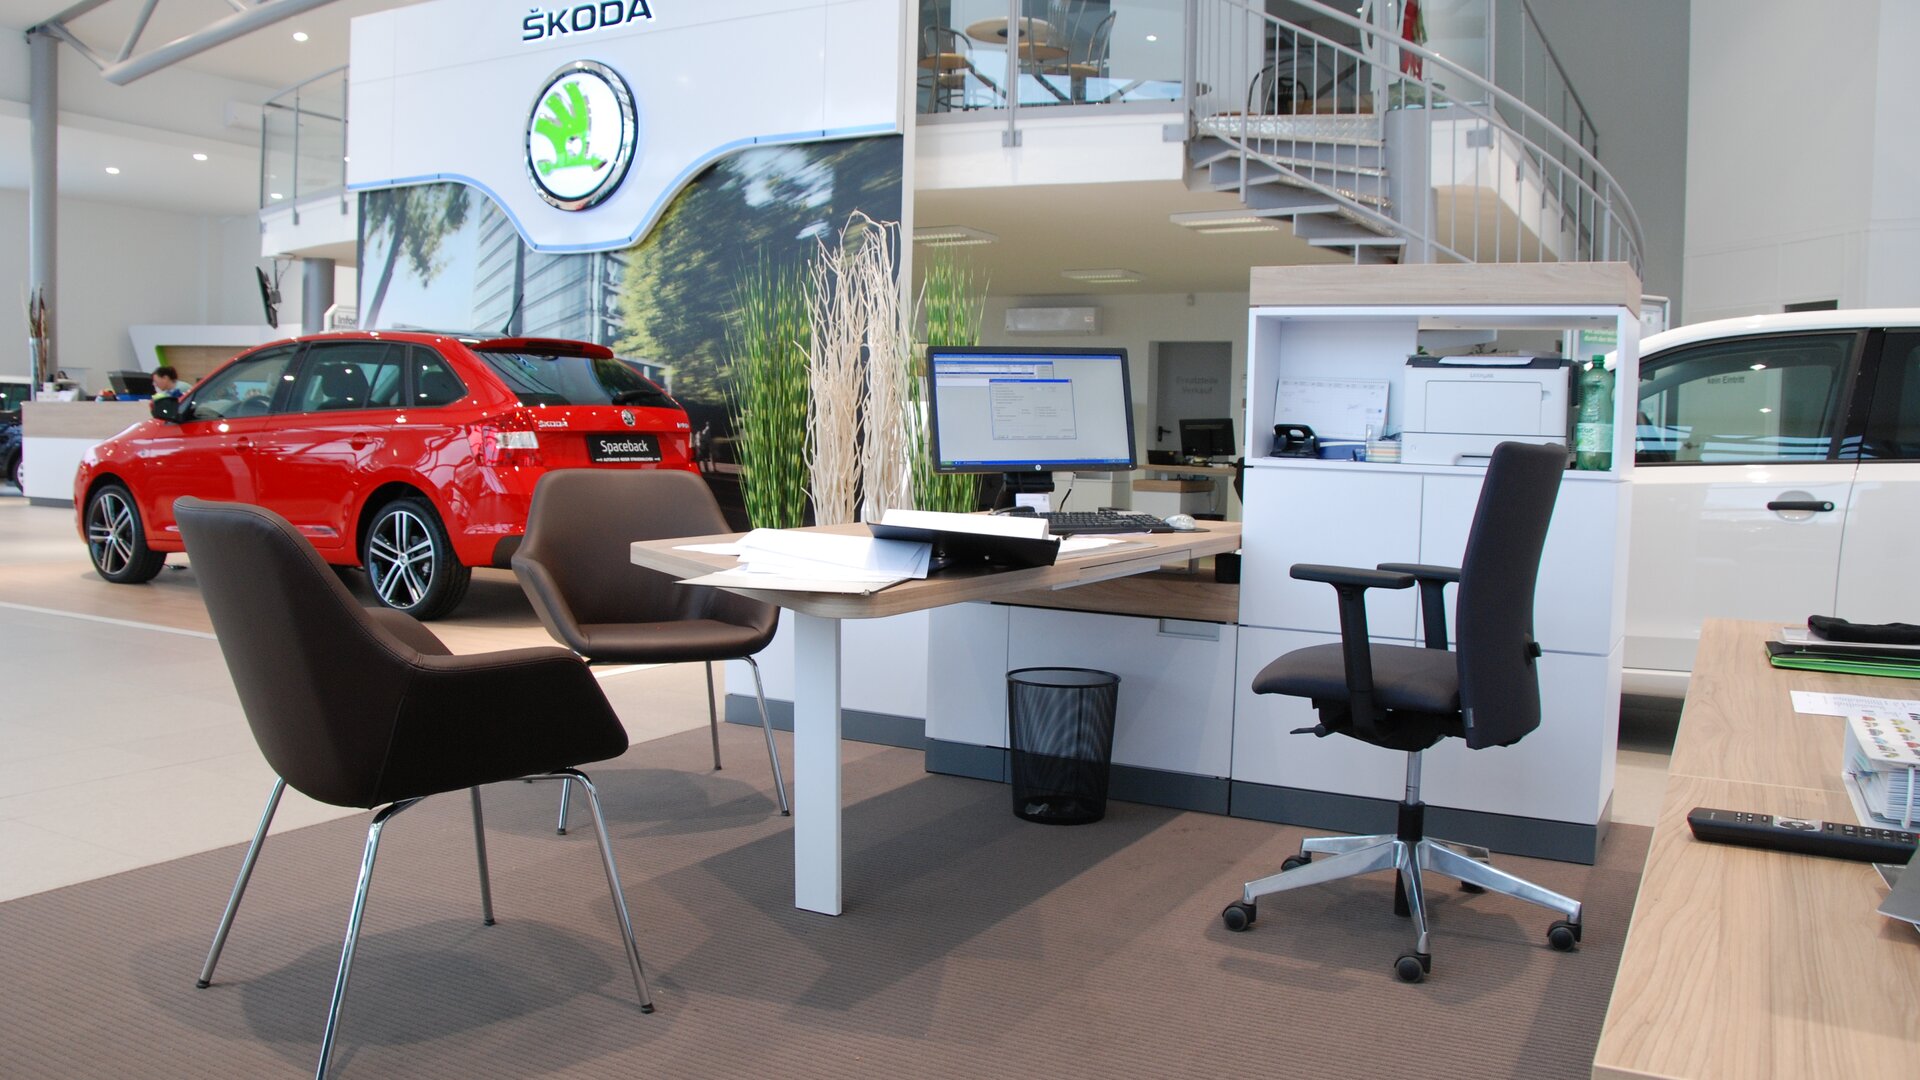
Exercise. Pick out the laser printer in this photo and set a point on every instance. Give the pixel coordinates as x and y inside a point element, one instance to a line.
<point>1458,408</point>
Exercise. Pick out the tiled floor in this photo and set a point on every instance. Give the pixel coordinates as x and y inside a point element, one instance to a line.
<point>122,743</point>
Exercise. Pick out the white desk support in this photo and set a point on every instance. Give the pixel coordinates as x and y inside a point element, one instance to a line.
<point>817,795</point>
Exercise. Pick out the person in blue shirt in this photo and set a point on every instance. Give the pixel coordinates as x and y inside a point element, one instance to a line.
<point>166,383</point>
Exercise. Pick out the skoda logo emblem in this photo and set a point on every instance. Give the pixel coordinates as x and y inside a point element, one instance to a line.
<point>626,417</point>
<point>580,135</point>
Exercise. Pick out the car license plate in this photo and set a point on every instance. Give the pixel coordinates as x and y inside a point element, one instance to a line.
<point>623,448</point>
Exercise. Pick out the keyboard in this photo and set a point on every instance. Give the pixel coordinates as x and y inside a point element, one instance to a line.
<point>1087,522</point>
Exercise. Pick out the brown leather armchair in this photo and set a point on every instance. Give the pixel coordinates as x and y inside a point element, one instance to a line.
<point>576,566</point>
<point>365,707</point>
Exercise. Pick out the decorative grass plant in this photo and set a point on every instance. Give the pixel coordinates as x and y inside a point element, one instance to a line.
<point>768,387</point>
<point>837,310</point>
<point>951,303</point>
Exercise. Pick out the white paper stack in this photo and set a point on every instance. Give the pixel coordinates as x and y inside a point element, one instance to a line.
<point>793,561</point>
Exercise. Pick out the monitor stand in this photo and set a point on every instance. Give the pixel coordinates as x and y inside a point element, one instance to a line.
<point>1013,485</point>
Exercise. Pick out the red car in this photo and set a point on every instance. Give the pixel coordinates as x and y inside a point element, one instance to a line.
<point>411,454</point>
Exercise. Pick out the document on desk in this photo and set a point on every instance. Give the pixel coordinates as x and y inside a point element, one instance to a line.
<point>1806,701</point>
<point>793,561</point>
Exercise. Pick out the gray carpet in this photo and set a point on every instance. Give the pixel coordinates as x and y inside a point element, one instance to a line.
<point>974,945</point>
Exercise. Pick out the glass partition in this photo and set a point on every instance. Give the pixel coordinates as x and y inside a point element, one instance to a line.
<point>1049,53</point>
<point>303,140</point>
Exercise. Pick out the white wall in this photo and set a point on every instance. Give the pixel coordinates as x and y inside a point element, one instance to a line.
<point>1801,156</point>
<point>1135,322</point>
<point>123,265</point>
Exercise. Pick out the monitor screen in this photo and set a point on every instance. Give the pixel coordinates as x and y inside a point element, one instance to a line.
<point>1207,438</point>
<point>136,383</point>
<point>1017,410</point>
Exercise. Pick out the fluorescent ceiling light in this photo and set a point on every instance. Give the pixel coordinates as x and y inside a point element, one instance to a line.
<point>1238,229</point>
<point>1217,219</point>
<point>1113,276</point>
<point>953,236</point>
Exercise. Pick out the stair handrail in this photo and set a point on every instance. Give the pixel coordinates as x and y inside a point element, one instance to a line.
<point>1605,193</point>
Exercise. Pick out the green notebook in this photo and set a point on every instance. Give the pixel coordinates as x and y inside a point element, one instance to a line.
<point>1844,660</point>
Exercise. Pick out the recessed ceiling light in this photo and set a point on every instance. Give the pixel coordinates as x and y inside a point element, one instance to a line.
<point>299,35</point>
<point>1114,276</point>
<point>276,195</point>
<point>953,236</point>
<point>113,170</point>
<point>199,157</point>
<point>1153,37</point>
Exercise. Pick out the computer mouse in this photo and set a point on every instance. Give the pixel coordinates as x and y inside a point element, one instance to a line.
<point>1182,523</point>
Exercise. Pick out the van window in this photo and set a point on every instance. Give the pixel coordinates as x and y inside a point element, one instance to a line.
<point>1752,400</point>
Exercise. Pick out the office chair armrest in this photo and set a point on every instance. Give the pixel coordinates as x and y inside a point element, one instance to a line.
<point>1433,596</point>
<point>1350,585</point>
<point>1352,575</point>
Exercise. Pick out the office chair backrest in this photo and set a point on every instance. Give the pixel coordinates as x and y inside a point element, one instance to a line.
<point>320,681</point>
<point>1493,620</point>
<point>581,528</point>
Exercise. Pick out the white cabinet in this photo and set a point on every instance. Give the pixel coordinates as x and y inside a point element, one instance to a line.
<point>1361,323</point>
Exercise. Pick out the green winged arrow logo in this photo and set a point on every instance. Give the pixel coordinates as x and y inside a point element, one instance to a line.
<point>566,125</point>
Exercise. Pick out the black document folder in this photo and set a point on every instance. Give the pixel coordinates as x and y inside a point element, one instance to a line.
<point>959,548</point>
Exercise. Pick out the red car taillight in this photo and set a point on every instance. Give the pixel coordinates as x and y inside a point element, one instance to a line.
<point>501,444</point>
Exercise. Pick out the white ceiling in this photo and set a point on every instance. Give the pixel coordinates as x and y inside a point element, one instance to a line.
<point>1042,230</point>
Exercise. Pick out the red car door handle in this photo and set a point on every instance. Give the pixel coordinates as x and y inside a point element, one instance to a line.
<point>1819,506</point>
<point>243,444</point>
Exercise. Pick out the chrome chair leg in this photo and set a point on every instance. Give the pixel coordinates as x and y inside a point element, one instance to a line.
<point>766,726</point>
<point>566,791</point>
<point>480,849</point>
<point>1409,863</point>
<point>1447,861</point>
<point>353,930</point>
<point>1344,865</point>
<point>1338,845</point>
<point>240,883</point>
<point>713,718</point>
<point>613,883</point>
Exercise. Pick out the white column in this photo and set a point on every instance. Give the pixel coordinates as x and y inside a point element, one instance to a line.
<point>816,763</point>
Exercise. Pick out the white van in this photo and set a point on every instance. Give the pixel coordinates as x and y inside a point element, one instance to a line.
<point>1776,476</point>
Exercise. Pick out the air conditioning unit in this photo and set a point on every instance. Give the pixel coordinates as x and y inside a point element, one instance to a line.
<point>1053,320</point>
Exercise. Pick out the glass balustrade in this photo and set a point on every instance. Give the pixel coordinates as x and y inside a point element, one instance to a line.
<point>997,54</point>
<point>303,140</point>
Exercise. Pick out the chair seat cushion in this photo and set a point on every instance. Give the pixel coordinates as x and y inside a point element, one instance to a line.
<point>1419,680</point>
<point>672,642</point>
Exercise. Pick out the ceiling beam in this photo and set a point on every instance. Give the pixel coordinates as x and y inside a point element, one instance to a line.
<point>127,67</point>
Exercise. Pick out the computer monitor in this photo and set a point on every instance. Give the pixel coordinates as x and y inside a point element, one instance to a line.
<point>1028,412</point>
<point>1207,438</point>
<point>131,383</point>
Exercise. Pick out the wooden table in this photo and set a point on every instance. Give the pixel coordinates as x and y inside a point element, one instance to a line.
<point>816,659</point>
<point>1743,963</point>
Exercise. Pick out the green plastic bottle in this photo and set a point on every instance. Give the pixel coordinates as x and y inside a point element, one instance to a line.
<point>1593,431</point>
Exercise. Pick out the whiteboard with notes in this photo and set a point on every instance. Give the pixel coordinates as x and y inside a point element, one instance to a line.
<point>1333,408</point>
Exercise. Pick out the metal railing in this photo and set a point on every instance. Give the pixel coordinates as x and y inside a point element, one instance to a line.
<point>1478,174</point>
<point>303,142</point>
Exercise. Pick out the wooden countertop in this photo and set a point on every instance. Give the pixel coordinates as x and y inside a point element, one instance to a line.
<point>1443,284</point>
<point>1743,963</point>
<point>1138,555</point>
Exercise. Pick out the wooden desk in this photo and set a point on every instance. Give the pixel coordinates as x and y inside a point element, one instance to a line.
<point>1743,963</point>
<point>816,656</point>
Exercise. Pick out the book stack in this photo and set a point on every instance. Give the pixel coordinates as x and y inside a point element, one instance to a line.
<point>1801,649</point>
<point>1883,764</point>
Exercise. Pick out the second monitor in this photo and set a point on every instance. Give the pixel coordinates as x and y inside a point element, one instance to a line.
<point>1029,412</point>
<point>1207,438</point>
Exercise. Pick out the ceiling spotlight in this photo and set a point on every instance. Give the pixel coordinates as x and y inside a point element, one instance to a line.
<point>276,195</point>
<point>1153,37</point>
<point>113,170</point>
<point>1113,276</point>
<point>299,35</point>
<point>199,157</point>
<point>953,236</point>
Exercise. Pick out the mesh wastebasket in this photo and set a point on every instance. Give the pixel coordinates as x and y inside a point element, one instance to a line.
<point>1060,729</point>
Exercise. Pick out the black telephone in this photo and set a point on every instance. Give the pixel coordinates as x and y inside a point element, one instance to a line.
<point>1295,440</point>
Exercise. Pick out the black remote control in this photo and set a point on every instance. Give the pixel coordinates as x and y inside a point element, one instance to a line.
<point>1866,843</point>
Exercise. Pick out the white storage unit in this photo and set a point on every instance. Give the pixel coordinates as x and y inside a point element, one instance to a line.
<point>1362,322</point>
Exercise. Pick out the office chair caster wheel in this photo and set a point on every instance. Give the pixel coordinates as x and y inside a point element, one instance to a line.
<point>1413,967</point>
<point>1238,916</point>
<point>1295,862</point>
<point>1563,935</point>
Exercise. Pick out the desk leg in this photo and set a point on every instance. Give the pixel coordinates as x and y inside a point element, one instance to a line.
<point>816,763</point>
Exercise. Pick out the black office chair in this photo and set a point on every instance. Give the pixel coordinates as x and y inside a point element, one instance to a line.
<point>576,565</point>
<point>1406,698</point>
<point>365,707</point>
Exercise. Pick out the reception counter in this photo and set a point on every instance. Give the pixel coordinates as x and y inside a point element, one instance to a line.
<point>57,434</point>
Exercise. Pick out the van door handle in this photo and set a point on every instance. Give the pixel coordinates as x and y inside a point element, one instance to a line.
<point>1819,506</point>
